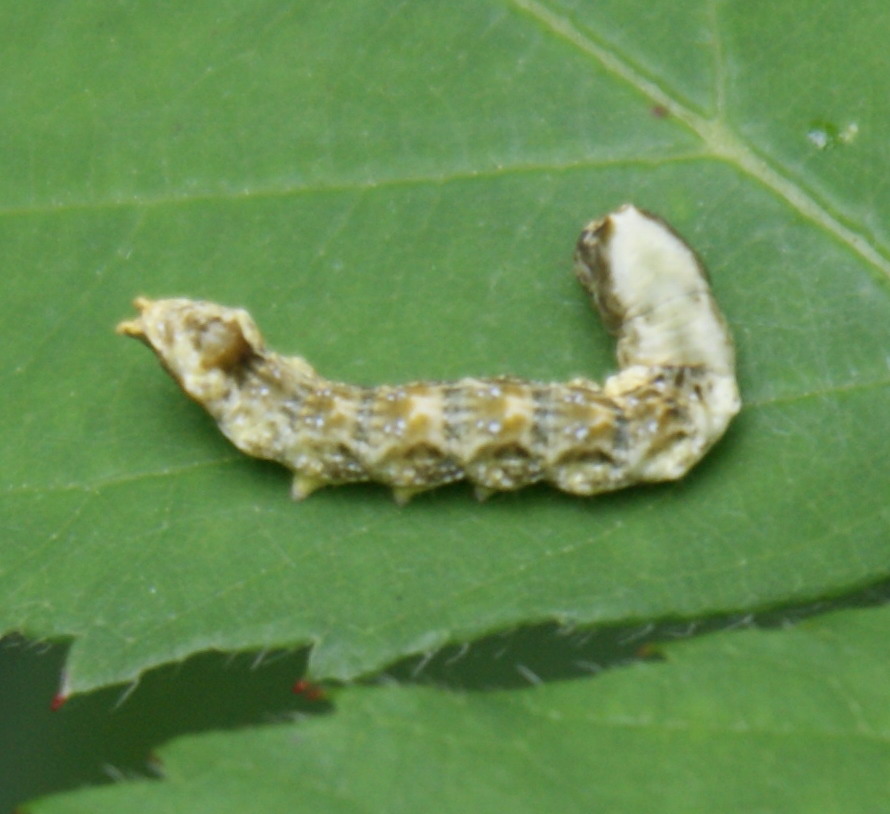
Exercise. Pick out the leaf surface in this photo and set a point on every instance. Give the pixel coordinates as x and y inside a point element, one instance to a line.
<point>394,190</point>
<point>735,722</point>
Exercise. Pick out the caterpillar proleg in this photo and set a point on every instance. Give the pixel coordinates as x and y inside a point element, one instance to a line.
<point>671,399</point>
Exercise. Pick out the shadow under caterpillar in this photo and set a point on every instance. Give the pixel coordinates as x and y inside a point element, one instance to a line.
<point>671,399</point>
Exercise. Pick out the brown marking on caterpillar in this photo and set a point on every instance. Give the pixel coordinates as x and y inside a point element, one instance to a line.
<point>672,398</point>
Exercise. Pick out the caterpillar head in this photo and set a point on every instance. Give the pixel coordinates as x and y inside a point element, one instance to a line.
<point>199,343</point>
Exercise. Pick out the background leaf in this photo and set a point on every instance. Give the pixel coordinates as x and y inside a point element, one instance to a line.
<point>736,722</point>
<point>394,190</point>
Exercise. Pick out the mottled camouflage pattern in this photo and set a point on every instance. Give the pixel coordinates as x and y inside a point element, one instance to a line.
<point>671,400</point>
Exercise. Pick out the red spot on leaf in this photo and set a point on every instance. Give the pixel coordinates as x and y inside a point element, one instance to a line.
<point>648,650</point>
<point>309,691</point>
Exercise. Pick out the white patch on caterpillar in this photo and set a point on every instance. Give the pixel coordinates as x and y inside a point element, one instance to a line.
<point>672,398</point>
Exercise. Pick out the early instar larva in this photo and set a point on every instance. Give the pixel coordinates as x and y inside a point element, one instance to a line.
<point>670,401</point>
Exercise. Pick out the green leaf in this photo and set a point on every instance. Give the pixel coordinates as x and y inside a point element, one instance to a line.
<point>736,722</point>
<point>394,191</point>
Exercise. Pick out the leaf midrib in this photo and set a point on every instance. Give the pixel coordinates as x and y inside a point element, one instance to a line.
<point>719,139</point>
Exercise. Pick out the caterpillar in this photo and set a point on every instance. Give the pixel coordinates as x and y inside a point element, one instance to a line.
<point>670,401</point>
